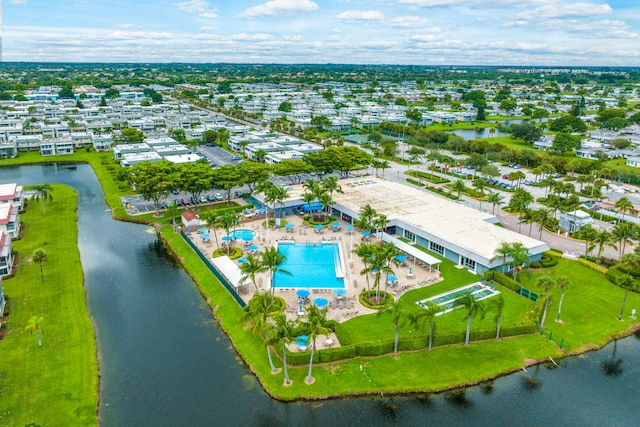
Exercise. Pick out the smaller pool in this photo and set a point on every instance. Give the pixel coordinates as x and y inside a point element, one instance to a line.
<point>243,234</point>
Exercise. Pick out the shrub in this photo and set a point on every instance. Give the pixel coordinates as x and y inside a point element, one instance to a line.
<point>234,252</point>
<point>616,273</point>
<point>374,348</point>
<point>592,265</point>
<point>298,357</point>
<point>365,295</point>
<point>417,342</point>
<point>502,279</point>
<point>414,182</point>
<point>336,353</point>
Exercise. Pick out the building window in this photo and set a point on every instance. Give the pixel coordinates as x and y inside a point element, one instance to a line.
<point>469,263</point>
<point>436,248</point>
<point>409,236</point>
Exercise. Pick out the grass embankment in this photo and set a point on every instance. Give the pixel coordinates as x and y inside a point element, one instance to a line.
<point>56,384</point>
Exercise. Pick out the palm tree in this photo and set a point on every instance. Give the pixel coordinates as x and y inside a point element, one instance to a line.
<point>250,268</point>
<point>331,185</point>
<point>602,239</point>
<point>284,332</point>
<point>623,206</point>
<point>172,212</point>
<point>588,234</point>
<point>627,283</point>
<point>382,256</point>
<point>380,223</point>
<point>271,259</point>
<point>34,326</point>
<point>228,221</point>
<point>479,184</point>
<point>503,251</point>
<point>495,198</point>
<point>458,187</point>
<point>624,233</point>
<point>546,283</point>
<point>519,257</point>
<point>258,311</point>
<point>542,217</point>
<point>394,309</point>
<point>268,189</point>
<point>473,307</point>
<point>39,256</point>
<point>563,283</point>
<point>365,252</point>
<point>497,303</point>
<point>315,325</point>
<point>213,221</point>
<point>427,316</point>
<point>43,194</point>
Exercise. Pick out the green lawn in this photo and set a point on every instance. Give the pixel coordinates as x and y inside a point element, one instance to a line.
<point>56,384</point>
<point>590,307</point>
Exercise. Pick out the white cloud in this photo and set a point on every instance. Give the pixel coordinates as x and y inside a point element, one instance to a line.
<point>201,7</point>
<point>252,37</point>
<point>566,10</point>
<point>478,3</point>
<point>282,7</point>
<point>361,15</point>
<point>295,38</point>
<point>605,28</point>
<point>125,25</point>
<point>407,21</point>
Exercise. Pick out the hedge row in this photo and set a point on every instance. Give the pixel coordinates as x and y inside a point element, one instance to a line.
<point>593,265</point>
<point>616,273</point>
<point>414,182</point>
<point>440,191</point>
<point>502,279</point>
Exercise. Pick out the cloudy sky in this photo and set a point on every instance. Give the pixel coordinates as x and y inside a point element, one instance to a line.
<point>465,32</point>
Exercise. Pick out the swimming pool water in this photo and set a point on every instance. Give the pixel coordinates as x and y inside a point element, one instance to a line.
<point>242,234</point>
<point>310,265</point>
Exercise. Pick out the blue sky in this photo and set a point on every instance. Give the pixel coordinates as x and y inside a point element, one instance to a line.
<point>465,32</point>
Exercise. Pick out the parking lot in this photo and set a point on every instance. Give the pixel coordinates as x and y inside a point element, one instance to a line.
<point>217,156</point>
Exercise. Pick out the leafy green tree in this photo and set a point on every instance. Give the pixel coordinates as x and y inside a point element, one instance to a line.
<point>35,325</point>
<point>153,181</point>
<point>195,179</point>
<point>292,169</point>
<point>43,194</point>
<point>226,177</point>
<point>414,115</point>
<point>67,91</point>
<point>568,123</point>
<point>253,173</point>
<point>473,307</point>
<point>526,131</point>
<point>564,142</point>
<point>285,107</point>
<point>112,93</point>
<point>39,256</point>
<point>132,136</point>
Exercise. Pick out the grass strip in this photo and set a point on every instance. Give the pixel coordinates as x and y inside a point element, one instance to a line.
<point>56,384</point>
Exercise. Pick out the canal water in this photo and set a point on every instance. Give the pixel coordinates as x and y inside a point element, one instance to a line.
<point>165,362</point>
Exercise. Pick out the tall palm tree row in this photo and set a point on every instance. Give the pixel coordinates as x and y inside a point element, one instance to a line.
<point>472,307</point>
<point>257,313</point>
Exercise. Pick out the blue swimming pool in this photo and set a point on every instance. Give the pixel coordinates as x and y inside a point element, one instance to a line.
<point>314,265</point>
<point>242,234</point>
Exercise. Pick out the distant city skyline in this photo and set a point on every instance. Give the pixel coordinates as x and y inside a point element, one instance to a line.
<point>420,32</point>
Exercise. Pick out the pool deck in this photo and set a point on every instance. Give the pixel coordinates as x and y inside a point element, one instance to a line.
<point>340,308</point>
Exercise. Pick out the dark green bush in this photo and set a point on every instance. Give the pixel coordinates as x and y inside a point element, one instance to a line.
<point>414,182</point>
<point>417,342</point>
<point>374,348</point>
<point>336,353</point>
<point>502,279</point>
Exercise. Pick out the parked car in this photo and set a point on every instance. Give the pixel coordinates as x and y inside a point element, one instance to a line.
<point>211,198</point>
<point>203,199</point>
<point>185,202</point>
<point>219,197</point>
<point>505,176</point>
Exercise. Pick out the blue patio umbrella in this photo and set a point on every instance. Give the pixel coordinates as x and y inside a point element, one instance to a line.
<point>206,235</point>
<point>335,224</point>
<point>365,233</point>
<point>303,293</point>
<point>289,225</point>
<point>319,226</point>
<point>392,278</point>
<point>202,229</point>
<point>348,227</point>
<point>243,260</point>
<point>227,238</point>
<point>401,258</point>
<point>320,302</point>
<point>339,292</point>
<point>252,248</point>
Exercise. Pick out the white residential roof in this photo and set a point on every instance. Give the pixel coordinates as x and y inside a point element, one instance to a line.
<point>229,270</point>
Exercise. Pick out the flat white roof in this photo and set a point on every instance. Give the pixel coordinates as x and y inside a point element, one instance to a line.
<point>229,270</point>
